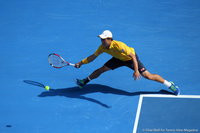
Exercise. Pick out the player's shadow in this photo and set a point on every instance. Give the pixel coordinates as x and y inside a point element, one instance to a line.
<point>76,92</point>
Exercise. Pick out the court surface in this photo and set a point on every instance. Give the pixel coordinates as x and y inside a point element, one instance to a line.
<point>167,113</point>
<point>165,34</point>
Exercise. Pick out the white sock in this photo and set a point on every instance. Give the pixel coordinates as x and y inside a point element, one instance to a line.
<point>166,83</point>
<point>89,78</point>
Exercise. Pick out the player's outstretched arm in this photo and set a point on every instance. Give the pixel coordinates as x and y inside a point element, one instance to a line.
<point>85,61</point>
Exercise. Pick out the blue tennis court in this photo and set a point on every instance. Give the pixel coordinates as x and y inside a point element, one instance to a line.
<point>165,35</point>
<point>167,113</point>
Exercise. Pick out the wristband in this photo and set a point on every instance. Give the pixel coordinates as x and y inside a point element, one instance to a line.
<point>85,61</point>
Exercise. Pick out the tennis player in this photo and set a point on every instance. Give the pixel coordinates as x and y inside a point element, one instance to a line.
<point>122,56</point>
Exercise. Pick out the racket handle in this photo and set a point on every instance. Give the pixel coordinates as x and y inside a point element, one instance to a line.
<point>71,64</point>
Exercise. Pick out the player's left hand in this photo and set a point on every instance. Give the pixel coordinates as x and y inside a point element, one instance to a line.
<point>137,76</point>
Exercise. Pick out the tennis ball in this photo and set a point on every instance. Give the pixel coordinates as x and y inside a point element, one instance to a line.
<point>47,88</point>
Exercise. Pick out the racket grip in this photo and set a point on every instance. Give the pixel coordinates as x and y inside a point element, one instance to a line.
<point>71,64</point>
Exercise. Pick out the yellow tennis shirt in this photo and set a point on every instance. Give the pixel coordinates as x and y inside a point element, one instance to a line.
<point>117,49</point>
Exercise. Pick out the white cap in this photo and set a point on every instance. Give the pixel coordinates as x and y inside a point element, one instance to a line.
<point>106,34</point>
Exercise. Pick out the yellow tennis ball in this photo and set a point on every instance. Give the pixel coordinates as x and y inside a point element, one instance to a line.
<point>47,88</point>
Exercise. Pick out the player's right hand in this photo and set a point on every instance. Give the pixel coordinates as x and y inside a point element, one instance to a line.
<point>78,65</point>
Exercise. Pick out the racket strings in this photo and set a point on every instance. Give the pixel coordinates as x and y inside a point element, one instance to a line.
<point>56,61</point>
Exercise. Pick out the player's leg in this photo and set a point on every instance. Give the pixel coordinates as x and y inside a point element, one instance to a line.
<point>155,77</point>
<point>98,72</point>
<point>112,64</point>
<point>158,78</point>
<point>94,75</point>
<point>146,74</point>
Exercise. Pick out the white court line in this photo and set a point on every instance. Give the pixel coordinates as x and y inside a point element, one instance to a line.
<point>154,95</point>
<point>171,96</point>
<point>138,114</point>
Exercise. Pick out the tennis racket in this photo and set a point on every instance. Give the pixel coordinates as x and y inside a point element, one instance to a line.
<point>57,61</point>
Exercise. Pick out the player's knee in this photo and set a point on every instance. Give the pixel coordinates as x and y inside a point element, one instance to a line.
<point>103,69</point>
<point>148,76</point>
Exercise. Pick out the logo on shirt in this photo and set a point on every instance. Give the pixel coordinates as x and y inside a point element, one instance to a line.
<point>123,50</point>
